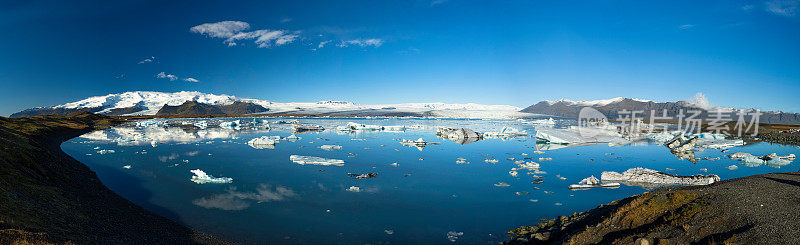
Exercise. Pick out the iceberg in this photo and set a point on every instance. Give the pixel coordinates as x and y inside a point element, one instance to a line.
<point>542,122</point>
<point>506,132</point>
<point>201,124</point>
<point>264,142</point>
<point>772,160</point>
<point>303,160</point>
<point>150,123</point>
<point>201,177</point>
<point>330,147</point>
<point>353,189</point>
<point>307,127</point>
<point>592,182</point>
<point>651,178</point>
<point>459,135</point>
<point>394,128</point>
<point>419,143</point>
<point>357,126</point>
<point>231,124</point>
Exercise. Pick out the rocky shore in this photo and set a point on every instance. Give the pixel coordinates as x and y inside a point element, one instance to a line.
<point>759,209</point>
<point>47,196</point>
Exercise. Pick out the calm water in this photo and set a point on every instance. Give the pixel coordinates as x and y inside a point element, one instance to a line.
<point>420,200</point>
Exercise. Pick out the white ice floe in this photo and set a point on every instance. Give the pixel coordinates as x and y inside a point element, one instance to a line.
<point>303,160</point>
<point>201,177</point>
<point>648,177</point>
<point>452,236</point>
<point>351,126</point>
<point>292,137</point>
<point>772,160</point>
<point>330,147</point>
<point>491,160</point>
<point>127,167</point>
<point>679,141</point>
<point>307,127</point>
<point>231,124</point>
<point>542,122</point>
<point>103,152</point>
<point>592,182</point>
<point>264,142</point>
<point>201,124</point>
<point>353,189</point>
<point>733,167</point>
<point>506,132</point>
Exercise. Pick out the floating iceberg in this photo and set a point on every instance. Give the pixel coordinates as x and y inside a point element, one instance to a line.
<point>330,147</point>
<point>303,160</point>
<point>592,182</point>
<point>394,128</point>
<point>362,176</point>
<point>676,139</point>
<point>230,124</point>
<point>419,143</point>
<point>307,127</point>
<point>542,122</point>
<point>353,189</point>
<point>459,135</point>
<point>357,126</point>
<point>772,160</point>
<point>292,138</point>
<point>201,177</point>
<point>506,132</point>
<point>149,123</point>
<point>651,178</point>
<point>264,142</point>
<point>201,124</point>
<point>103,152</point>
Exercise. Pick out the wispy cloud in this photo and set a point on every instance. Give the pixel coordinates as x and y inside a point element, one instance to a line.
<point>786,8</point>
<point>748,7</point>
<point>222,29</point>
<point>286,20</point>
<point>163,75</point>
<point>686,27</point>
<point>234,31</point>
<point>189,79</point>
<point>375,42</point>
<point>148,60</point>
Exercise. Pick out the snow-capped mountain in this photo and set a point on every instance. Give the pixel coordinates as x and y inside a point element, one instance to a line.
<point>612,107</point>
<point>150,103</point>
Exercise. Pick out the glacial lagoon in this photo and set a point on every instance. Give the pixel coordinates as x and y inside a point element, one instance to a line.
<point>439,193</point>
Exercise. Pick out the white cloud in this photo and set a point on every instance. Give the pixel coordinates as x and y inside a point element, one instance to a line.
<point>148,60</point>
<point>686,27</point>
<point>322,44</point>
<point>191,80</point>
<point>748,7</point>
<point>163,75</point>
<point>786,8</point>
<point>375,42</point>
<point>233,31</point>
<point>286,19</point>
<point>222,29</point>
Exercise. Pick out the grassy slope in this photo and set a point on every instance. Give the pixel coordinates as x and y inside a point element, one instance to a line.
<point>46,195</point>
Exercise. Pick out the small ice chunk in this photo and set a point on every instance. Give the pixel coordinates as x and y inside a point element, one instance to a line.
<point>201,177</point>
<point>127,167</point>
<point>502,184</point>
<point>330,147</point>
<point>732,167</point>
<point>452,236</point>
<point>303,160</point>
<point>491,160</point>
<point>388,232</point>
<point>103,152</point>
<point>353,189</point>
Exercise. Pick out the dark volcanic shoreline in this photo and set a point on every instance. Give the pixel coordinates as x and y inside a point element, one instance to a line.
<point>759,209</point>
<point>47,196</point>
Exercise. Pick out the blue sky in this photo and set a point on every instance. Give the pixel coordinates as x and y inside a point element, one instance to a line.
<point>739,53</point>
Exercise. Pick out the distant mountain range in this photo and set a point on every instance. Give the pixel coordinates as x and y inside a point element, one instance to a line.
<point>197,103</point>
<point>611,108</point>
